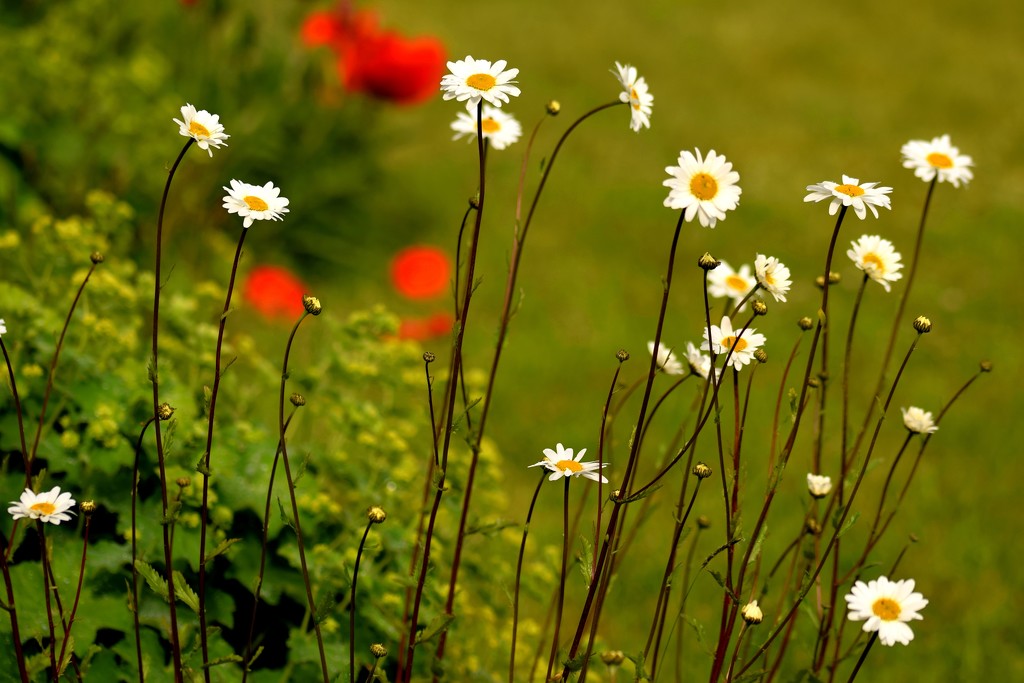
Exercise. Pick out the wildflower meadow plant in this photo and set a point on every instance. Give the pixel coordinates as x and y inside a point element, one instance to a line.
<point>384,548</point>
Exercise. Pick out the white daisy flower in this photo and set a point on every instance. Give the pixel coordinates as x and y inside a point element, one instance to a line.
<point>725,338</point>
<point>52,506</point>
<point>636,94</point>
<point>499,128</point>
<point>699,363</point>
<point>861,196</point>
<point>752,614</point>
<point>203,126</point>
<point>887,606</point>
<point>666,361</point>
<point>818,486</point>
<point>562,464</point>
<point>702,187</point>
<point>255,203</point>
<point>471,80</point>
<point>937,157</point>
<point>724,281</point>
<point>877,258</point>
<point>918,421</point>
<point>772,276</point>
<point>3,327</point>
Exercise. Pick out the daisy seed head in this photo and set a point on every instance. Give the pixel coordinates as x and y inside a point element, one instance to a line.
<point>613,657</point>
<point>701,471</point>
<point>752,614</point>
<point>703,522</point>
<point>378,651</point>
<point>96,257</point>
<point>760,308</point>
<point>760,356</point>
<point>165,411</point>
<point>376,514</point>
<point>622,355</point>
<point>311,304</point>
<point>87,507</point>
<point>922,324</point>
<point>805,323</point>
<point>297,399</point>
<point>553,107</point>
<point>429,357</point>
<point>708,262</point>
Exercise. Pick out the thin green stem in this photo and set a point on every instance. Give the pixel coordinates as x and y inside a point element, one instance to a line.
<point>352,607</point>
<point>519,574</point>
<point>78,590</point>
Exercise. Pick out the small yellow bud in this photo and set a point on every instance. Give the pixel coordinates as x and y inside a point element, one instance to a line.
<point>553,107</point>
<point>805,323</point>
<point>376,514</point>
<point>298,400</point>
<point>96,257</point>
<point>613,657</point>
<point>164,411</point>
<point>311,304</point>
<point>760,308</point>
<point>378,651</point>
<point>701,471</point>
<point>922,324</point>
<point>708,262</point>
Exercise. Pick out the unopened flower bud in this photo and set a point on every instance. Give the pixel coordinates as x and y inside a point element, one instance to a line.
<point>986,366</point>
<point>429,357</point>
<point>818,486</point>
<point>553,107</point>
<point>922,324</point>
<point>622,355</point>
<point>165,411</point>
<point>183,482</point>
<point>833,278</point>
<point>805,323</point>
<point>298,400</point>
<point>701,471</point>
<point>87,507</point>
<point>376,514</point>
<point>613,657</point>
<point>813,527</point>
<point>760,356</point>
<point>474,202</point>
<point>96,257</point>
<point>378,651</point>
<point>703,521</point>
<point>760,308</point>
<point>813,382</point>
<point>708,262</point>
<point>752,614</point>
<point>311,304</point>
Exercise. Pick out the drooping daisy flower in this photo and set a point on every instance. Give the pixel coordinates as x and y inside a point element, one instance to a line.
<point>752,614</point>
<point>918,421</point>
<point>499,128</point>
<point>818,486</point>
<point>52,506</point>
<point>877,258</point>
<point>636,94</point>
<point>3,327</point>
<point>702,187</point>
<point>772,276</point>
<point>255,203</point>
<point>861,196</point>
<point>203,126</point>
<point>887,606</point>
<point>666,360</point>
<point>937,157</point>
<point>724,281</point>
<point>562,464</point>
<point>471,80</point>
<point>699,363</point>
<point>742,345</point>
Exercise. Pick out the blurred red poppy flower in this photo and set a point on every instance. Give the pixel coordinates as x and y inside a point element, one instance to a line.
<point>379,63</point>
<point>420,272</point>
<point>274,292</point>
<point>422,329</point>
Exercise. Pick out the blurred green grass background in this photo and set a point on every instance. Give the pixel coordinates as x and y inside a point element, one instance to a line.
<point>791,93</point>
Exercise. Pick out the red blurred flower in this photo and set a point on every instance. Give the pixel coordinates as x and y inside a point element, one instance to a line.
<point>274,292</point>
<point>420,272</point>
<point>382,64</point>
<point>421,329</point>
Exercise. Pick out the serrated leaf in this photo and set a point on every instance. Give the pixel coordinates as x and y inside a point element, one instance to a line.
<point>721,582</point>
<point>284,515</point>
<point>184,592</point>
<point>576,663</point>
<point>811,613</point>
<point>756,550</point>
<point>436,627</point>
<point>69,651</point>
<point>850,521</point>
<point>227,659</point>
<point>638,496</point>
<point>255,655</point>
<point>490,528</point>
<point>639,673</point>
<point>586,557</point>
<point>153,579</point>
<point>222,547</point>
<point>754,676</point>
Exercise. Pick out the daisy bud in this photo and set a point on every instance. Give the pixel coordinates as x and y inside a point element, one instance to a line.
<point>183,482</point>
<point>805,323</point>
<point>986,366</point>
<point>378,651</point>
<point>752,614</point>
<point>474,202</point>
<point>703,522</point>
<point>96,257</point>
<point>922,324</point>
<point>813,527</point>
<point>760,308</point>
<point>813,382</point>
<point>918,421</point>
<point>701,471</point>
<point>833,278</point>
<point>428,357</point>
<point>298,400</point>
<point>613,657</point>
<point>708,262</point>
<point>87,507</point>
<point>553,107</point>
<point>913,538</point>
<point>818,486</point>
<point>311,304</point>
<point>376,514</point>
<point>622,355</point>
<point>165,411</point>
<point>760,356</point>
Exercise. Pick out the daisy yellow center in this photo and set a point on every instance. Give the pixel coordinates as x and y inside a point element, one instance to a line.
<point>939,160</point>
<point>871,261</point>
<point>44,508</point>
<point>634,98</point>
<point>886,609</point>
<point>255,203</point>
<point>570,465</point>
<point>490,125</point>
<point>736,282</point>
<point>734,343</point>
<point>481,81</point>
<point>768,278</point>
<point>850,190</point>
<point>703,186</point>
<point>198,130</point>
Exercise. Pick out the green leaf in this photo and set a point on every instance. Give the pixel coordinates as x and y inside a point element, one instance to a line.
<point>184,592</point>
<point>156,582</point>
<point>586,557</point>
<point>850,521</point>
<point>222,547</point>
<point>436,627</point>
<point>756,550</point>
<point>69,651</point>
